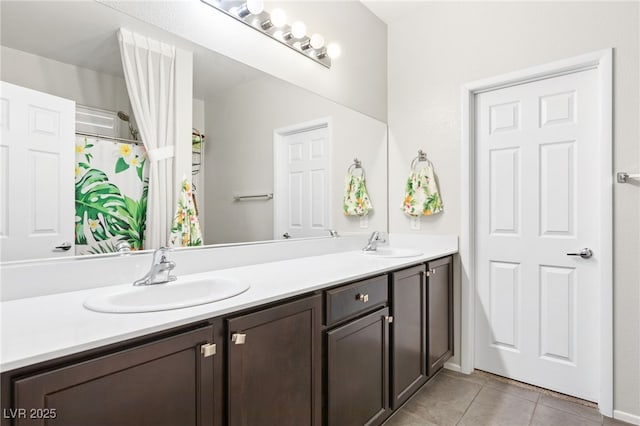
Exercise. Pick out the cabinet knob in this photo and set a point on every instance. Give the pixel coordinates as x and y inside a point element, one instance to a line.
<point>239,338</point>
<point>364,298</point>
<point>431,271</point>
<point>208,350</point>
<point>389,319</point>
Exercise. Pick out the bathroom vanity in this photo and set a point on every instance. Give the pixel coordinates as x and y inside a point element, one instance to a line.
<point>348,352</point>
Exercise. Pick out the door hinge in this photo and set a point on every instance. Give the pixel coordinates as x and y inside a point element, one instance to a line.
<point>208,350</point>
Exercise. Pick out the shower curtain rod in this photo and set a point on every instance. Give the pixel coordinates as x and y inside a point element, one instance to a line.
<point>111,138</point>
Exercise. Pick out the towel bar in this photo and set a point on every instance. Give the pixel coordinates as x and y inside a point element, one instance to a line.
<point>623,177</point>
<point>421,157</point>
<point>253,197</point>
<point>357,164</point>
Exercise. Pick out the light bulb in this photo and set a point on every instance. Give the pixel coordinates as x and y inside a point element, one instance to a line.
<point>298,29</point>
<point>279,35</point>
<point>234,11</point>
<point>255,7</point>
<point>278,18</point>
<point>334,50</point>
<point>317,41</point>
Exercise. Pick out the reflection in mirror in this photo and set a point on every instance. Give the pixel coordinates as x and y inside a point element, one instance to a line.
<point>269,158</point>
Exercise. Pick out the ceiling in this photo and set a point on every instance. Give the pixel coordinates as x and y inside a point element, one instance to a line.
<point>392,10</point>
<point>83,33</point>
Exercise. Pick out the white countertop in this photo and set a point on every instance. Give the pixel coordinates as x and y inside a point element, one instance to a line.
<point>42,328</point>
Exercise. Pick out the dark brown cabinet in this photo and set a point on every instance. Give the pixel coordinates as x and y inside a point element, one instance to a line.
<point>358,371</point>
<point>440,313</point>
<point>409,334</point>
<point>275,365</point>
<point>166,382</point>
<point>384,337</point>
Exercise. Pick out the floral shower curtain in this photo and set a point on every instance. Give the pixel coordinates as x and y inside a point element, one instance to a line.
<point>111,195</point>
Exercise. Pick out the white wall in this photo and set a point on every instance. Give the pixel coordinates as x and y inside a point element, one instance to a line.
<point>357,79</point>
<point>184,120</point>
<point>85,86</point>
<point>239,156</point>
<point>463,42</point>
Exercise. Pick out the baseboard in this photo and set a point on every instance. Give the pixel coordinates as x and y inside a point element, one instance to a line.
<point>625,417</point>
<point>453,367</point>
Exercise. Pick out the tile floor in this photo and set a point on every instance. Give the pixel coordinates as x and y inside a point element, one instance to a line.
<point>480,399</point>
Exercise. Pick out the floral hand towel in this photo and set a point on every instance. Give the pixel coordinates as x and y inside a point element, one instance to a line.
<point>421,194</point>
<point>185,229</point>
<point>356,198</point>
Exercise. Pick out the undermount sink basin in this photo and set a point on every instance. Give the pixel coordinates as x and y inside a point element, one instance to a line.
<point>178,294</point>
<point>392,252</point>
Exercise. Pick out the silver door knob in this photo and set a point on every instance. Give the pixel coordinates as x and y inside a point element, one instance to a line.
<point>585,253</point>
<point>286,236</point>
<point>64,246</point>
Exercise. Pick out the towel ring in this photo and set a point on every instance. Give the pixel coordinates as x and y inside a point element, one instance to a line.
<point>357,164</point>
<point>422,157</point>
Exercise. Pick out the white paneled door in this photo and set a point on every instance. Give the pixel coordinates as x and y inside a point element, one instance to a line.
<point>36,174</point>
<point>302,183</point>
<point>537,310</point>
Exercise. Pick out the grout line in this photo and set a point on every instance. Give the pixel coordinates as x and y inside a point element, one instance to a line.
<point>541,391</point>
<point>469,406</point>
<point>535,407</point>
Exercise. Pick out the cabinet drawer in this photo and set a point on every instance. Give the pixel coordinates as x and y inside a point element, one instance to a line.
<point>356,298</point>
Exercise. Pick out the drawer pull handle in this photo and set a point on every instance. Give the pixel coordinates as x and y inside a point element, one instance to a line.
<point>431,271</point>
<point>389,319</point>
<point>208,350</point>
<point>364,298</point>
<point>238,338</point>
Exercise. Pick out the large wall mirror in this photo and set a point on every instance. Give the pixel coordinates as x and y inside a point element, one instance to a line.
<point>253,138</point>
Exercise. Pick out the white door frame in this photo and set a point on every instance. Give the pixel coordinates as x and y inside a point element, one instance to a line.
<point>278,183</point>
<point>602,61</point>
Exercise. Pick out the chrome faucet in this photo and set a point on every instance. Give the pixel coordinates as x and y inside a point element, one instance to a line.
<point>160,271</point>
<point>375,238</point>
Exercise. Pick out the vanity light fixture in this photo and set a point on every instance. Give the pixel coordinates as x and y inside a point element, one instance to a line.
<point>315,42</point>
<point>251,7</point>
<point>277,19</point>
<point>332,51</point>
<point>274,25</point>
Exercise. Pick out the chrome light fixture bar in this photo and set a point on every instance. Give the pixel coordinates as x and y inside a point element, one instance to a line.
<point>274,25</point>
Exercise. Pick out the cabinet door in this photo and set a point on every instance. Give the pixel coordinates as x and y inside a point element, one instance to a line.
<point>408,333</point>
<point>440,313</point>
<point>275,367</point>
<point>166,382</point>
<point>358,370</point>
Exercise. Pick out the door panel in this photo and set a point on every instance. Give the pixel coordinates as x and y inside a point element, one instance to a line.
<point>167,382</point>
<point>274,374</point>
<point>302,193</point>
<point>409,336</point>
<point>358,370</point>
<point>505,302</point>
<point>505,190</point>
<point>557,189</point>
<point>440,313</point>
<point>37,156</point>
<point>557,311</point>
<point>537,311</point>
